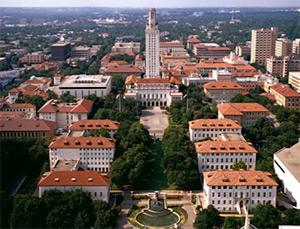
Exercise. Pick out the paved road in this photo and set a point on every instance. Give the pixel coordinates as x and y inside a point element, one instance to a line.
<point>125,206</point>
<point>155,120</point>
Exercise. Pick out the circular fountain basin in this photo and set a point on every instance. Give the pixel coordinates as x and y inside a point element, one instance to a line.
<point>165,218</point>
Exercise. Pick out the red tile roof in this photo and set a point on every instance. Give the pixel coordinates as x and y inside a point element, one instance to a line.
<point>94,124</point>
<point>222,85</point>
<point>19,105</point>
<point>238,178</point>
<point>284,90</point>
<point>171,44</point>
<point>26,125</point>
<point>82,142</point>
<point>54,106</point>
<point>214,124</point>
<point>4,115</point>
<point>240,108</point>
<point>122,69</point>
<point>224,147</point>
<point>73,178</point>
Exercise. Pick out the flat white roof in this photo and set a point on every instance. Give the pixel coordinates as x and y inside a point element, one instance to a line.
<point>290,157</point>
<point>82,81</point>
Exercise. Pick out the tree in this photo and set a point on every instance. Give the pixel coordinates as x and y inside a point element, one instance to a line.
<point>35,100</point>
<point>207,219</point>
<point>266,216</point>
<point>231,223</point>
<point>137,134</point>
<point>27,212</point>
<point>60,217</point>
<point>239,165</point>
<point>66,97</point>
<point>292,217</point>
<point>106,217</point>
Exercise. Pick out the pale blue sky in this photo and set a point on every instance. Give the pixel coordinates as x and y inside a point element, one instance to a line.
<point>150,3</point>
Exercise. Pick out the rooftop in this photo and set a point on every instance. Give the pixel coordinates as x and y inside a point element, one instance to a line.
<point>65,165</point>
<point>214,124</point>
<point>94,124</point>
<point>290,157</point>
<point>26,125</point>
<point>240,108</point>
<point>222,85</point>
<point>239,178</point>
<point>73,178</point>
<point>224,147</point>
<point>83,81</point>
<point>54,106</point>
<point>285,90</point>
<point>82,142</point>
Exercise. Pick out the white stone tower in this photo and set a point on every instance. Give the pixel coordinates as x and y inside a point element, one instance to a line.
<point>152,46</point>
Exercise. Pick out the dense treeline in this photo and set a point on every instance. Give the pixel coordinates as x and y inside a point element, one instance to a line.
<point>265,216</point>
<point>19,159</point>
<point>179,161</point>
<point>56,209</point>
<point>194,106</point>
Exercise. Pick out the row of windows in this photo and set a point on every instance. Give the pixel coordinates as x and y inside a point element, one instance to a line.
<point>246,202</point>
<point>212,167</point>
<point>237,187</point>
<point>241,194</point>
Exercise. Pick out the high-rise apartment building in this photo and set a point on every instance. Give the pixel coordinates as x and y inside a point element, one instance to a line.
<point>152,46</point>
<point>283,47</point>
<point>296,46</point>
<point>263,44</point>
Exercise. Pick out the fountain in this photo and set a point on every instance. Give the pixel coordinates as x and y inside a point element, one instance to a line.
<point>157,214</point>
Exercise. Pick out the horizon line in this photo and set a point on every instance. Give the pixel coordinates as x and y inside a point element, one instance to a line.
<point>147,7</point>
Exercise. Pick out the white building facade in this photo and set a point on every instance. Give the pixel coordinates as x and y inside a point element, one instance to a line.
<point>214,155</point>
<point>287,167</point>
<point>91,182</point>
<point>230,191</point>
<point>152,92</point>
<point>212,128</point>
<point>93,153</point>
<point>65,113</point>
<point>152,46</point>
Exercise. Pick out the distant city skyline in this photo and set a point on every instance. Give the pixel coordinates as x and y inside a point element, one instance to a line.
<point>150,3</point>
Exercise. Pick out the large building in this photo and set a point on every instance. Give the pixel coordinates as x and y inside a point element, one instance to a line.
<point>296,47</point>
<point>294,80</point>
<point>20,129</point>
<point>60,51</point>
<point>84,127</point>
<point>171,46</point>
<point>85,85</point>
<point>92,153</point>
<point>283,47</point>
<point>152,46</point>
<point>246,114</point>
<point>191,41</point>
<point>125,47</point>
<point>263,44</point>
<point>281,66</point>
<point>286,166</point>
<point>210,52</point>
<point>230,191</point>
<point>33,58</point>
<point>63,114</point>
<point>215,155</point>
<point>201,129</point>
<point>286,96</point>
<point>222,91</point>
<point>152,92</point>
<point>91,182</point>
<point>27,109</point>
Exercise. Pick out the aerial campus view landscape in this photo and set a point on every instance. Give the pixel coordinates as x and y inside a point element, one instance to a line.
<point>133,114</point>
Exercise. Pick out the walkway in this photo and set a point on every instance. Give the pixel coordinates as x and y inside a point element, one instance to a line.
<point>155,120</point>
